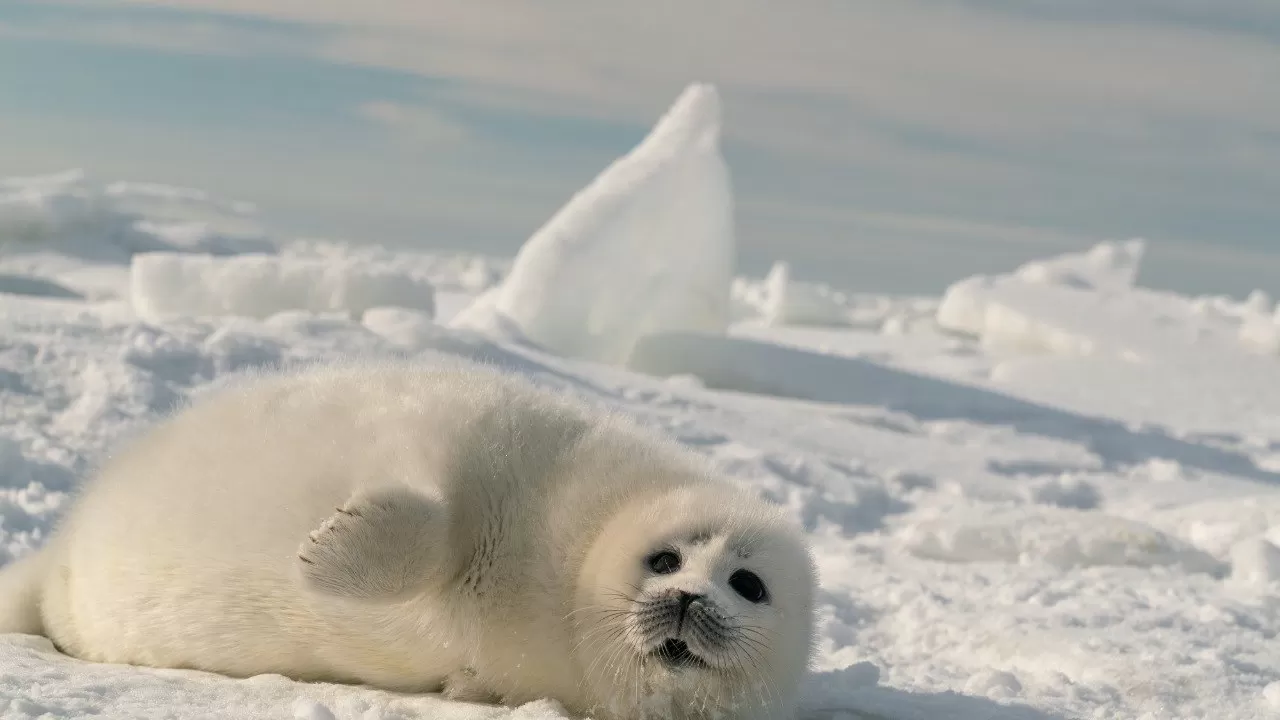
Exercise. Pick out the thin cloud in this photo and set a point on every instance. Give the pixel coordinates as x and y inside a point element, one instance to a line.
<point>915,81</point>
<point>188,36</point>
<point>420,125</point>
<point>975,68</point>
<point>1134,116</point>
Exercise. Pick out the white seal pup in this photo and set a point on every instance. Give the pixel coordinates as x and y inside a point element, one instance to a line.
<point>491,540</point>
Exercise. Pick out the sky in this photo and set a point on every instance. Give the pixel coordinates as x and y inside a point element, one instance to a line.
<point>874,144</point>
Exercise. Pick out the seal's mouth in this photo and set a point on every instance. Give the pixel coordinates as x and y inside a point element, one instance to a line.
<point>676,654</point>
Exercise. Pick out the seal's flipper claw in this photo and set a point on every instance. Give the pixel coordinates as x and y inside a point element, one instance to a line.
<point>381,545</point>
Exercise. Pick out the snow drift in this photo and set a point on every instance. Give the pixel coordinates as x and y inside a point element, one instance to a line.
<point>647,246</point>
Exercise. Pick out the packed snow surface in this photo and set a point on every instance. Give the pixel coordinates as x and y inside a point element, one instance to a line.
<point>1048,495</point>
<point>647,246</point>
<point>992,544</point>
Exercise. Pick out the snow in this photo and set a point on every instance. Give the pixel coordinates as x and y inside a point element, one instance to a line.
<point>177,284</point>
<point>1060,538</point>
<point>648,246</point>
<point>1045,495</point>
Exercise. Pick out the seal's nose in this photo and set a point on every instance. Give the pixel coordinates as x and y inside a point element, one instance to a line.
<point>687,599</point>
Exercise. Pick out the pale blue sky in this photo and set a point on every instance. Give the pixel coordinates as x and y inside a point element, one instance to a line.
<point>890,144</point>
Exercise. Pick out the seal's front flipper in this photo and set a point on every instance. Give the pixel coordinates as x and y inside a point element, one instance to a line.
<point>464,686</point>
<point>383,544</point>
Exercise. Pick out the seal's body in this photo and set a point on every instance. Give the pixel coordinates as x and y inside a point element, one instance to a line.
<point>427,530</point>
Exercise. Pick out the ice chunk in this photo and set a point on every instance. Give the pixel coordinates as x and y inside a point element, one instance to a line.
<point>994,684</point>
<point>1012,316</point>
<point>482,315</point>
<point>647,246</point>
<point>479,275</point>
<point>1086,305</point>
<point>400,327</point>
<point>1255,562</point>
<point>1271,694</point>
<point>1259,302</point>
<point>1162,357</point>
<point>1048,305</point>
<point>788,302</point>
<point>1260,333</point>
<point>1108,266</point>
<point>165,285</point>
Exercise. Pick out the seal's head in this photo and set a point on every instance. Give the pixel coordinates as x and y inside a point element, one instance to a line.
<point>696,602</point>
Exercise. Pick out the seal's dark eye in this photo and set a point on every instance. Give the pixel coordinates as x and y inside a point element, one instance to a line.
<point>664,562</point>
<point>748,585</point>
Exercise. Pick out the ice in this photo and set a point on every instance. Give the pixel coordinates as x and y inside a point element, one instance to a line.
<point>1087,305</point>
<point>1271,695</point>
<point>790,302</point>
<point>483,316</point>
<point>780,300</point>
<point>401,327</point>
<point>1064,504</point>
<point>1260,332</point>
<point>1255,562</point>
<point>1107,267</point>
<point>1078,320</point>
<point>646,247</point>
<point>994,684</point>
<point>1032,309</point>
<point>168,285</point>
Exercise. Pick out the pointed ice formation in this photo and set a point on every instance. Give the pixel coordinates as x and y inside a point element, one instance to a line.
<point>789,302</point>
<point>646,247</point>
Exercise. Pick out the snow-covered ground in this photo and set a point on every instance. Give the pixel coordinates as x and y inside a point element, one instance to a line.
<point>1048,494</point>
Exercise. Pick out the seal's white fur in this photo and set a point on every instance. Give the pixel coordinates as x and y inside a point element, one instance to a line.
<point>490,540</point>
